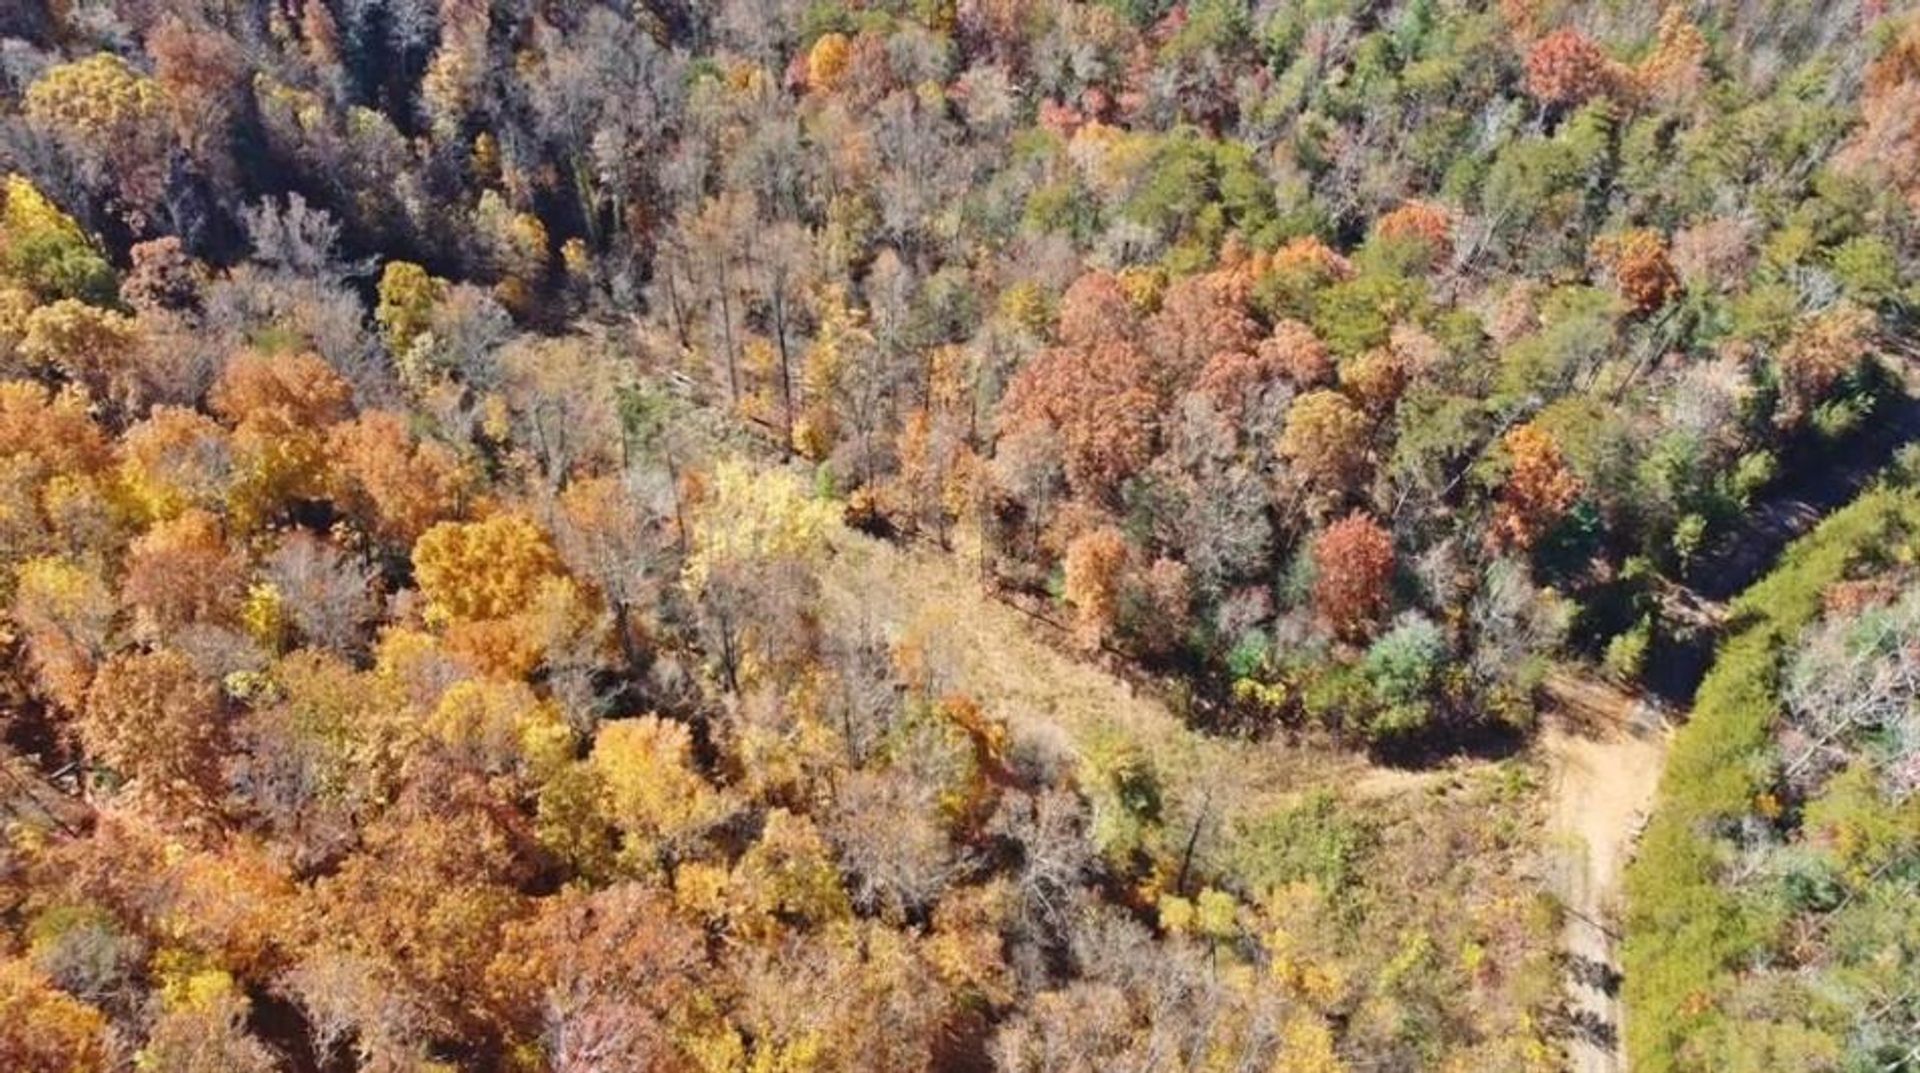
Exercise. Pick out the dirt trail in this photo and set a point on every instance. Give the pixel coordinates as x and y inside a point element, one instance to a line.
<point>1604,750</point>
<point>1012,666</point>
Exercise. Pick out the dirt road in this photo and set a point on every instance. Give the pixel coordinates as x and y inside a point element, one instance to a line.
<point>1604,750</point>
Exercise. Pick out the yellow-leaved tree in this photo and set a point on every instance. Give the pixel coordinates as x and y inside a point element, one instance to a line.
<point>64,611</point>
<point>652,793</point>
<point>482,570</point>
<point>756,539</point>
<point>499,590</point>
<point>114,117</point>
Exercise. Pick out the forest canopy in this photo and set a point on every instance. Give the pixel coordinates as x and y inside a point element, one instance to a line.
<point>524,524</point>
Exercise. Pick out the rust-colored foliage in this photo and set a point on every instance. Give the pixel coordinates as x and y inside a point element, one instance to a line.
<point>163,277</point>
<point>1565,67</point>
<point>1298,354</point>
<point>156,720</point>
<point>300,388</point>
<point>1886,145</point>
<point>1200,318</point>
<point>1539,489</point>
<point>605,975</point>
<point>1096,309</point>
<point>1822,351</point>
<point>182,571</point>
<point>1641,268</point>
<point>1423,222</point>
<point>1095,561</point>
<point>52,428</point>
<point>1309,256</point>
<point>426,900</point>
<point>392,485</point>
<point>1353,567</point>
<point>1094,390</point>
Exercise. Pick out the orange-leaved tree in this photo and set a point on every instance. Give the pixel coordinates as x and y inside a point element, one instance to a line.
<point>1353,567</point>
<point>1539,489</point>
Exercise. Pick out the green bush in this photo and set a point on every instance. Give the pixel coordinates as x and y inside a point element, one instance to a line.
<point>1626,654</point>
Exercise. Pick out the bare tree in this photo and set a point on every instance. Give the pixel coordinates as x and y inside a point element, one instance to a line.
<point>1858,676</point>
<point>329,594</point>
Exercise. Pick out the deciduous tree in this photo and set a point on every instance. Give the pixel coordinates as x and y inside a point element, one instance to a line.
<point>1640,266</point>
<point>66,612</point>
<point>1094,564</point>
<point>152,718</point>
<point>1822,351</point>
<point>45,1030</point>
<point>1326,441</point>
<point>600,980</point>
<point>1353,567</point>
<point>394,486</point>
<point>1566,68</point>
<point>45,251</point>
<point>654,795</point>
<point>488,569</point>
<point>182,572</point>
<point>756,539</point>
<point>1539,488</point>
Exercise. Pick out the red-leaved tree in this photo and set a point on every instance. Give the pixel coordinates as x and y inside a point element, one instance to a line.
<point>1353,564</point>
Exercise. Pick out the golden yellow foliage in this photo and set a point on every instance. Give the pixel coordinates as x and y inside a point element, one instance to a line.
<point>275,464</point>
<point>1094,564</point>
<point>752,518</point>
<point>518,240</point>
<point>175,459</point>
<point>92,347</point>
<point>415,667</point>
<point>501,727</point>
<point>488,569</point>
<point>1326,440</point>
<point>407,297</point>
<point>789,874</point>
<point>264,618</point>
<point>1306,1046</point>
<point>44,251</point>
<point>827,61</point>
<point>653,792</point>
<point>44,1030</point>
<point>100,96</point>
<point>1375,379</point>
<point>66,612</point>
